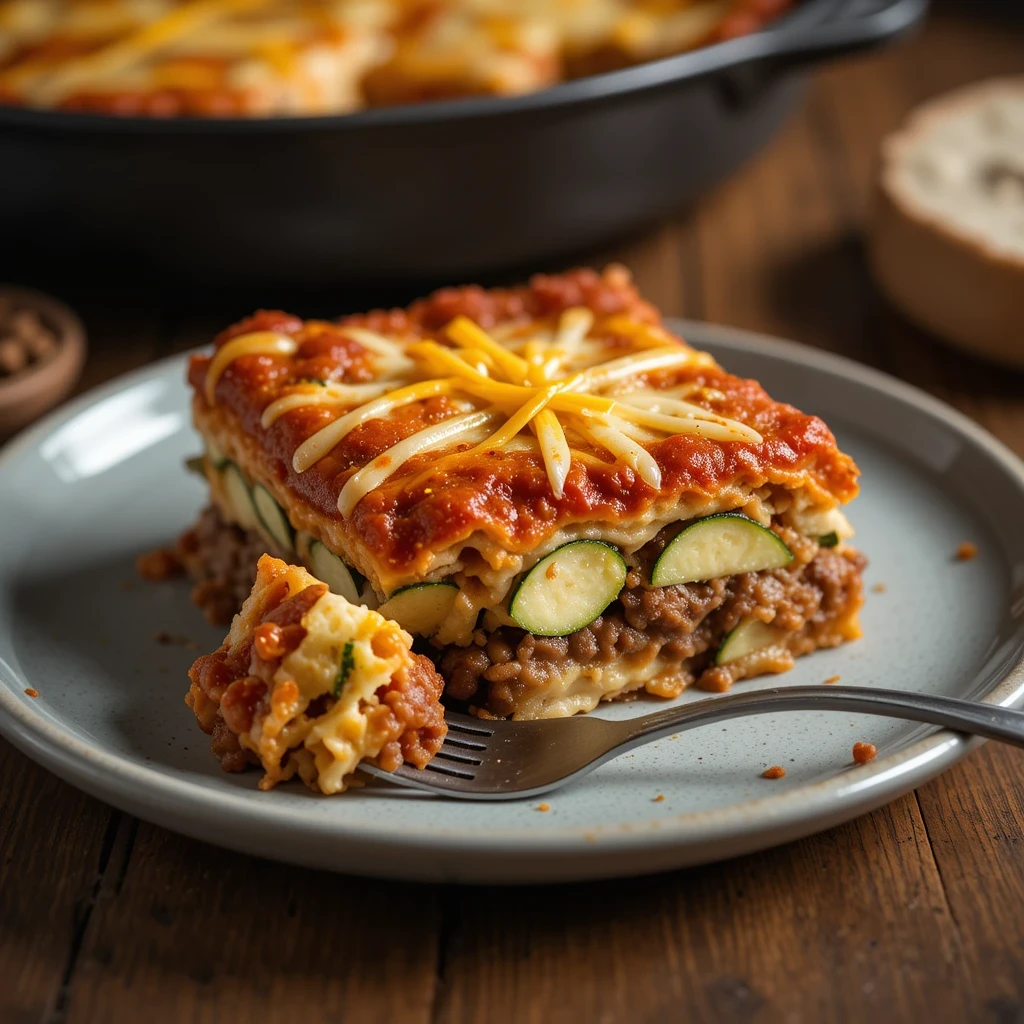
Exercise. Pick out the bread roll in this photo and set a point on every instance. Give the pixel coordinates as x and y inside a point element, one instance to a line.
<point>947,234</point>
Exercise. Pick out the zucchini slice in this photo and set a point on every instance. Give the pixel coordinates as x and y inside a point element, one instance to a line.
<point>274,521</point>
<point>345,668</point>
<point>421,607</point>
<point>330,569</point>
<point>240,498</point>
<point>569,588</point>
<point>829,540</point>
<point>749,636</point>
<point>719,545</point>
<point>215,454</point>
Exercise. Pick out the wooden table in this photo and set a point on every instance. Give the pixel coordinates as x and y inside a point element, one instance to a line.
<point>913,913</point>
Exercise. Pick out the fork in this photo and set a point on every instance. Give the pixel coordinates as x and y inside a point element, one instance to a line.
<point>507,760</point>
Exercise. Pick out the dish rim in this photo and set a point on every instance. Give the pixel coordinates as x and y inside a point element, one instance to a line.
<point>588,851</point>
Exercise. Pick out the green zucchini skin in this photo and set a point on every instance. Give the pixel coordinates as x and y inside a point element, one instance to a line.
<point>568,588</point>
<point>724,544</point>
<point>749,636</point>
<point>327,567</point>
<point>421,608</point>
<point>236,487</point>
<point>273,519</point>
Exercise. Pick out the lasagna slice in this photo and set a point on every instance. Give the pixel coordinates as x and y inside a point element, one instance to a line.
<point>307,684</point>
<point>558,497</point>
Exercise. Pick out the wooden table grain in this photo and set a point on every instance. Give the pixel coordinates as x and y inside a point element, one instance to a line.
<point>912,913</point>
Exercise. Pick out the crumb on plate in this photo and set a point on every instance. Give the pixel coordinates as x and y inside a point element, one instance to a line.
<point>831,680</point>
<point>966,551</point>
<point>158,565</point>
<point>658,799</point>
<point>775,772</point>
<point>864,752</point>
<point>31,691</point>
<point>878,588</point>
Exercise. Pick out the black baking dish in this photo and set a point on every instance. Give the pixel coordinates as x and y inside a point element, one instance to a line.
<point>447,190</point>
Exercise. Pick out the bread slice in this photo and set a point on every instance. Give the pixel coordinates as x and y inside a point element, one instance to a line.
<point>947,235</point>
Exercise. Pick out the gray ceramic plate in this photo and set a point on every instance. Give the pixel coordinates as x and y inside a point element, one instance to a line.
<point>87,489</point>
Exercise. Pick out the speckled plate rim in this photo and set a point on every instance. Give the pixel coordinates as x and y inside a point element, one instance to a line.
<point>486,854</point>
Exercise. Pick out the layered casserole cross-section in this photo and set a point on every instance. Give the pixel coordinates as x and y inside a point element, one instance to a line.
<point>558,497</point>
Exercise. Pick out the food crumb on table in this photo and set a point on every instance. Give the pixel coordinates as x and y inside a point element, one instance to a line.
<point>166,639</point>
<point>31,691</point>
<point>831,680</point>
<point>543,807</point>
<point>864,752</point>
<point>966,551</point>
<point>775,772</point>
<point>158,565</point>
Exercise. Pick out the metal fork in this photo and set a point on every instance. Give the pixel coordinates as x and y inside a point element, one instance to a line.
<point>503,760</point>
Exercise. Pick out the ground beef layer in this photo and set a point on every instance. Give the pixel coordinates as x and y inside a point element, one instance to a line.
<point>665,637</point>
<point>675,630</point>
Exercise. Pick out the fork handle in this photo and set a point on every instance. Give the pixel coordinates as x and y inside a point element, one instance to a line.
<point>988,720</point>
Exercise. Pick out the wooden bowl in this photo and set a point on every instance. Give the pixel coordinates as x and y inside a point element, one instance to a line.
<point>30,392</point>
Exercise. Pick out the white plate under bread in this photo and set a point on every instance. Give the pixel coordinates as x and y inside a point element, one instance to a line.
<point>947,234</point>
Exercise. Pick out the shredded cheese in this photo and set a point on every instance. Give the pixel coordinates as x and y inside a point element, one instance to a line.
<point>314,448</point>
<point>608,433</point>
<point>556,380</point>
<point>339,396</point>
<point>123,53</point>
<point>259,343</point>
<point>458,428</point>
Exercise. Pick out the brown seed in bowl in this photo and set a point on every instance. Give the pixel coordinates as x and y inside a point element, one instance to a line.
<point>24,323</point>
<point>50,343</point>
<point>41,346</point>
<point>13,356</point>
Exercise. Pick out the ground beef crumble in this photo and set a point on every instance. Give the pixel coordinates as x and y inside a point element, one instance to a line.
<point>684,625</point>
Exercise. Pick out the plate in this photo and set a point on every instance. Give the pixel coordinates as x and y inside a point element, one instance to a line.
<point>86,490</point>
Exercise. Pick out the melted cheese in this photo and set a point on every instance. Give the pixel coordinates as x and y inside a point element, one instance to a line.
<point>265,343</point>
<point>544,390</point>
<point>313,56</point>
<point>131,50</point>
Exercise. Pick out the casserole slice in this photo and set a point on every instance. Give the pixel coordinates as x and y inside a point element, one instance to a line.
<point>561,499</point>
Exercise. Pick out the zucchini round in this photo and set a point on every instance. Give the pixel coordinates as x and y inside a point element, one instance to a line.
<point>327,567</point>
<point>273,520</point>
<point>215,454</point>
<point>569,588</point>
<point>421,608</point>
<point>749,636</point>
<point>719,545</point>
<point>240,498</point>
